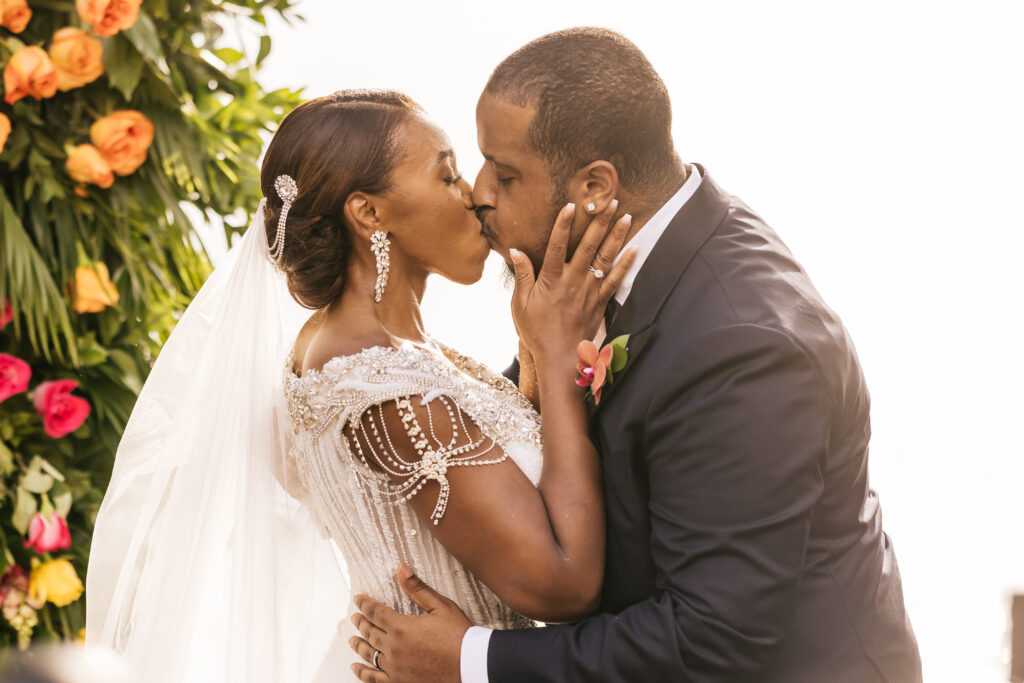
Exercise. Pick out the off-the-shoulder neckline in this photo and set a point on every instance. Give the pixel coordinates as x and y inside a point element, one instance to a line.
<point>337,364</point>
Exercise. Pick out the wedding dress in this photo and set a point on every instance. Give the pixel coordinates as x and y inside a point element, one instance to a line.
<point>214,553</point>
<point>363,510</point>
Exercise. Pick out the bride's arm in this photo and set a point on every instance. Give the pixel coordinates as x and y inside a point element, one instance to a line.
<point>540,549</point>
<point>528,376</point>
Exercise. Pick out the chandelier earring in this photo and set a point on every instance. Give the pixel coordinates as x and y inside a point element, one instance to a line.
<point>381,246</point>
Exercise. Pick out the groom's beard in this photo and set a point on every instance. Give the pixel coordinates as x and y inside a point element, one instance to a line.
<point>559,196</point>
<point>508,275</point>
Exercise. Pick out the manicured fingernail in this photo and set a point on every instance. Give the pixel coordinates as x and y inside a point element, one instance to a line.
<point>615,205</point>
<point>570,207</point>
<point>514,253</point>
<point>627,217</point>
<point>352,642</point>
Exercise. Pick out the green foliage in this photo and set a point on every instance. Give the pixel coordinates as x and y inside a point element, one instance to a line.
<point>619,355</point>
<point>179,68</point>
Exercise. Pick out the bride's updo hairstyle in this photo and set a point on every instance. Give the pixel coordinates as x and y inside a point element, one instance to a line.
<point>332,146</point>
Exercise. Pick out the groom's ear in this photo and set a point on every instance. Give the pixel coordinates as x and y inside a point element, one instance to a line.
<point>596,183</point>
<point>361,214</point>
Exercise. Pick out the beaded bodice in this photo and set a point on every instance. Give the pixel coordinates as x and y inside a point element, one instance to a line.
<point>366,512</point>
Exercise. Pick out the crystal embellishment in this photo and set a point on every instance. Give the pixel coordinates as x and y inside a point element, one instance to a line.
<point>381,247</point>
<point>369,513</point>
<point>286,188</point>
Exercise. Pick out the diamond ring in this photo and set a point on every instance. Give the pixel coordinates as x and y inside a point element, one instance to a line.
<point>598,273</point>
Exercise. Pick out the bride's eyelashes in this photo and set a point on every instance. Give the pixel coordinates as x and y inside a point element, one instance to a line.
<point>453,175</point>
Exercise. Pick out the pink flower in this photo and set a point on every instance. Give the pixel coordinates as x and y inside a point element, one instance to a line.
<point>47,533</point>
<point>15,577</point>
<point>17,606</point>
<point>6,312</point>
<point>62,413</point>
<point>14,376</point>
<point>593,366</point>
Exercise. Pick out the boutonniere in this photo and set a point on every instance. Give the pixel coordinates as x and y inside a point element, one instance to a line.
<point>596,367</point>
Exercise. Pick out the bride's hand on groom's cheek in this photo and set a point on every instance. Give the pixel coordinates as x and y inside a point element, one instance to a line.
<point>417,648</point>
<point>565,302</point>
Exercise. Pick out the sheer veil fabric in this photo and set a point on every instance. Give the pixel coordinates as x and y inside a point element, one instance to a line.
<point>205,565</point>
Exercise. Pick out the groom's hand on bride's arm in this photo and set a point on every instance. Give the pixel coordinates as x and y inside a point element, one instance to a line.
<point>423,647</point>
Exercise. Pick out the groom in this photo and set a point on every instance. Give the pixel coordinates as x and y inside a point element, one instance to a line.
<point>743,541</point>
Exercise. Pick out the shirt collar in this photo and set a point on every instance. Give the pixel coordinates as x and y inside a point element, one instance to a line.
<point>648,235</point>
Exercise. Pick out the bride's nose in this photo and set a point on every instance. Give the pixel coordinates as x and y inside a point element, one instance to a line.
<point>467,194</point>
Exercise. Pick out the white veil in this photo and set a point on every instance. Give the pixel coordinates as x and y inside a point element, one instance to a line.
<point>205,565</point>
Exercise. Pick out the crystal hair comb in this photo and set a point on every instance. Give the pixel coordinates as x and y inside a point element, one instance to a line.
<point>287,190</point>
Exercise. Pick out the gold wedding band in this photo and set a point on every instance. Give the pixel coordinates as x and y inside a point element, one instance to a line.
<point>598,273</point>
<point>376,664</point>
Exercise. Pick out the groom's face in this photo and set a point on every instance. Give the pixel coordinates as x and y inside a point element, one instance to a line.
<point>514,192</point>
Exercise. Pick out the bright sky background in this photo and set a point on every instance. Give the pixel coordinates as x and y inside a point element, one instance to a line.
<point>884,142</point>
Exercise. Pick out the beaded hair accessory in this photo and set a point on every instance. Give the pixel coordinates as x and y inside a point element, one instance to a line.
<point>287,190</point>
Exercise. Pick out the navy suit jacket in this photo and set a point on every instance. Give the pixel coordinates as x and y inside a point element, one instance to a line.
<point>744,543</point>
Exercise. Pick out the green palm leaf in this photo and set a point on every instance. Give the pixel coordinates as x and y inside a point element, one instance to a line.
<point>27,282</point>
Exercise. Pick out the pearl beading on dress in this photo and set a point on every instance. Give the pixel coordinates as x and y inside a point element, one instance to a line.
<point>433,460</point>
<point>373,525</point>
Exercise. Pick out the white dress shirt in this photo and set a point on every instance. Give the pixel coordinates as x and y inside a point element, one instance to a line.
<point>473,658</point>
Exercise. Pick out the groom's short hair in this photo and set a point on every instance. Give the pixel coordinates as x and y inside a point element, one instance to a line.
<point>597,97</point>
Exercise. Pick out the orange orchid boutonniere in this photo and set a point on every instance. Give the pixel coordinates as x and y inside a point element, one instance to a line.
<point>596,367</point>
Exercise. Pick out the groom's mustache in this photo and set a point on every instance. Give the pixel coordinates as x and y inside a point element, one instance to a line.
<point>508,275</point>
<point>483,215</point>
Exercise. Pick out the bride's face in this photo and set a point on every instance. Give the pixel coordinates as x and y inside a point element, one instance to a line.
<point>431,219</point>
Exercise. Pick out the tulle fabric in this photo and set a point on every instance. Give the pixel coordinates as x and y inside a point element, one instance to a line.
<point>205,564</point>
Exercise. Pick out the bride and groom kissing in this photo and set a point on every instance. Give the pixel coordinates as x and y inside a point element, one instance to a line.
<point>700,512</point>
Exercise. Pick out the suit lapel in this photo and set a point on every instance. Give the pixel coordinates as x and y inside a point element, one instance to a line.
<point>689,229</point>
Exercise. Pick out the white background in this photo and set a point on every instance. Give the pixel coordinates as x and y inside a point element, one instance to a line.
<point>884,142</point>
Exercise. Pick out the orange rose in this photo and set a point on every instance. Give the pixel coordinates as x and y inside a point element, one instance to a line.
<point>5,130</point>
<point>87,165</point>
<point>123,139</point>
<point>107,17</point>
<point>15,15</point>
<point>77,56</point>
<point>29,72</point>
<point>93,289</point>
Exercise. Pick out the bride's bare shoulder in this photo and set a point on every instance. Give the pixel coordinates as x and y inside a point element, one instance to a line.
<point>320,340</point>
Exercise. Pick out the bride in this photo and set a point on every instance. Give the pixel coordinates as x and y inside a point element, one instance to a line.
<point>258,451</point>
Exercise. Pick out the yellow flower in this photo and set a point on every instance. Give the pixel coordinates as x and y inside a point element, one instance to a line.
<point>55,581</point>
<point>93,289</point>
